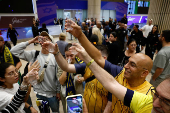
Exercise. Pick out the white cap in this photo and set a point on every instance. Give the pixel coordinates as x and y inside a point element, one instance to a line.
<point>44,33</point>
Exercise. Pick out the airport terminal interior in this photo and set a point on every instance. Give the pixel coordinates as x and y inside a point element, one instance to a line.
<point>84,56</point>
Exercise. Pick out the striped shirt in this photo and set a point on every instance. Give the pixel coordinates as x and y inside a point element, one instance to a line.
<point>15,103</point>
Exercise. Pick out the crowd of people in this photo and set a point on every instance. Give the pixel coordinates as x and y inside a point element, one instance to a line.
<point>108,68</point>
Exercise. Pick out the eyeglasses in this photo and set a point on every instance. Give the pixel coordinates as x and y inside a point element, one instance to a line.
<point>163,102</point>
<point>12,73</point>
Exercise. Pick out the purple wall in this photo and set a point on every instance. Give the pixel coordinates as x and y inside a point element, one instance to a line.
<point>47,9</point>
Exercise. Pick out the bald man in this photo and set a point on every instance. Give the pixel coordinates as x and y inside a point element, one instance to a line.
<point>131,76</point>
<point>99,25</point>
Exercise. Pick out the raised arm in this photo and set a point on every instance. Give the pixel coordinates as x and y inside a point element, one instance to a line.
<point>91,49</point>
<point>60,59</point>
<point>104,77</point>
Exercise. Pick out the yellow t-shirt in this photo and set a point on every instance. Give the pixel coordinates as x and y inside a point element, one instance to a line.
<point>117,105</point>
<point>141,103</point>
<point>95,94</point>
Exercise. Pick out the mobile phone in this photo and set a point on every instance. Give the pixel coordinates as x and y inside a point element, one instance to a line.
<point>105,36</point>
<point>74,104</point>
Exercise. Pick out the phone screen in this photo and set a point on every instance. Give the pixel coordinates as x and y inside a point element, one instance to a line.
<point>74,104</point>
<point>105,36</point>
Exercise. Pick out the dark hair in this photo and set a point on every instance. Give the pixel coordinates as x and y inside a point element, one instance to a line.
<point>137,26</point>
<point>44,25</point>
<point>94,38</point>
<point>103,49</point>
<point>119,22</point>
<point>166,35</point>
<point>114,34</point>
<point>156,32</point>
<point>130,41</point>
<point>8,44</point>
<point>68,46</point>
<point>3,67</point>
<point>85,27</point>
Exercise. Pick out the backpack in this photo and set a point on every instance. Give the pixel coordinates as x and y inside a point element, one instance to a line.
<point>26,67</point>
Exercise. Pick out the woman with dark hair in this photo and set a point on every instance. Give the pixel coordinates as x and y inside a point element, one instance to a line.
<point>43,28</point>
<point>9,86</point>
<point>114,48</point>
<point>131,44</point>
<point>152,42</point>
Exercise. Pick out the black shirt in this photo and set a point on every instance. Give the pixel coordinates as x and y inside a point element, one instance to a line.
<point>35,30</point>
<point>123,59</point>
<point>121,34</point>
<point>42,29</point>
<point>12,33</point>
<point>138,36</point>
<point>114,49</point>
<point>152,41</point>
<point>124,20</point>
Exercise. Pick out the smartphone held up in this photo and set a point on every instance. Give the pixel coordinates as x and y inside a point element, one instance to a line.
<point>74,103</point>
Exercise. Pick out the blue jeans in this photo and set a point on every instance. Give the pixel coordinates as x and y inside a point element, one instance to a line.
<point>53,102</point>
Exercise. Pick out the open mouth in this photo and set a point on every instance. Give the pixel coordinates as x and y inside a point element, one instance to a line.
<point>17,78</point>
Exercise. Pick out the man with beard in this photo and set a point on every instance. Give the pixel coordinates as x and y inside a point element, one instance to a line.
<point>161,65</point>
<point>159,102</point>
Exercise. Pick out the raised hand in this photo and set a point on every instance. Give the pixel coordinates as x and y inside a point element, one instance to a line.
<point>75,30</point>
<point>52,46</point>
<point>36,64</point>
<point>33,72</point>
<point>82,54</point>
<point>34,40</point>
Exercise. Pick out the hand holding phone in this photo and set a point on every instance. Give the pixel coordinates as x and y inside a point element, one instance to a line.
<point>74,103</point>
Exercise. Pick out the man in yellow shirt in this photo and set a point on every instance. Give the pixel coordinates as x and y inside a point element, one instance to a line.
<point>159,102</point>
<point>128,77</point>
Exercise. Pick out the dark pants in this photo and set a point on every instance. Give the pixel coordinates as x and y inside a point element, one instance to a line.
<point>13,40</point>
<point>149,52</point>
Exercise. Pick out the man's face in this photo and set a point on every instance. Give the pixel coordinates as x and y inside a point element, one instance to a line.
<point>10,25</point>
<point>122,26</point>
<point>161,98</point>
<point>124,15</point>
<point>134,27</point>
<point>44,39</point>
<point>125,27</point>
<point>71,56</point>
<point>98,25</point>
<point>134,68</point>
<point>150,22</point>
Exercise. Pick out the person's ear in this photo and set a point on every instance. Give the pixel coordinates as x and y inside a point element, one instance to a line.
<point>2,79</point>
<point>163,38</point>
<point>144,73</point>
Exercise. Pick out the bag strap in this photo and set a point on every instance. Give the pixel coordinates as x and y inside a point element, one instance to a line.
<point>41,77</point>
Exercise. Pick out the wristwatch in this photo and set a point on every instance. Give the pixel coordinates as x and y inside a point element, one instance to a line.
<point>30,107</point>
<point>24,87</point>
